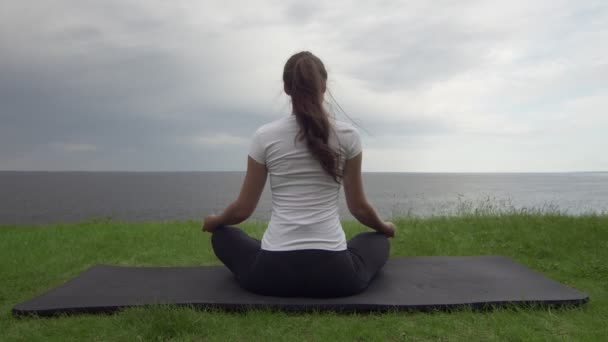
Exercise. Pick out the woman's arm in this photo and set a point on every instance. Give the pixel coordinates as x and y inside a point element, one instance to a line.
<point>356,200</point>
<point>245,204</point>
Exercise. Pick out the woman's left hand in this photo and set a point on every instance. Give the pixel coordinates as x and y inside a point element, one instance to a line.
<point>211,223</point>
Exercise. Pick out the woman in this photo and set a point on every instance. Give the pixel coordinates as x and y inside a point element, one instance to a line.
<point>309,156</point>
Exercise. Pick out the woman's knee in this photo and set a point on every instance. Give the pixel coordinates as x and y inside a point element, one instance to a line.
<point>221,236</point>
<point>232,243</point>
<point>372,249</point>
<point>370,238</point>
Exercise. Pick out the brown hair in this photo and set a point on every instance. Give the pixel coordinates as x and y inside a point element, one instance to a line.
<point>305,81</point>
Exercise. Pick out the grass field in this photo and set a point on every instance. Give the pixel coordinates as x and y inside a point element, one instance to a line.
<point>569,249</point>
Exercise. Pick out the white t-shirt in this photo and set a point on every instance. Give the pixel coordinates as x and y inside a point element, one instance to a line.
<point>304,196</point>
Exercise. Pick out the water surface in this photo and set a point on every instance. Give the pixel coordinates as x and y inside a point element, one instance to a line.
<point>47,197</point>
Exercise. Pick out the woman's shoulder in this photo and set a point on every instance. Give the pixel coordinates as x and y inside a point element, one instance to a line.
<point>273,128</point>
<point>345,128</point>
<point>275,124</point>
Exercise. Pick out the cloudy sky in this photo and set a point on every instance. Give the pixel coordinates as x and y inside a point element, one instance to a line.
<point>438,86</point>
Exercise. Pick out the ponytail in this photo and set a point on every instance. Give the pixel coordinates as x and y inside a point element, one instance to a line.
<point>305,79</point>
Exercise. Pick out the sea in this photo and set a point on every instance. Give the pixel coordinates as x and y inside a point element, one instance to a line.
<point>55,197</point>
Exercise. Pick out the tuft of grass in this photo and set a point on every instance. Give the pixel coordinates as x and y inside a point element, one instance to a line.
<point>570,249</point>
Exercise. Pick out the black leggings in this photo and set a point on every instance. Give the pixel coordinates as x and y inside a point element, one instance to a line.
<point>301,273</point>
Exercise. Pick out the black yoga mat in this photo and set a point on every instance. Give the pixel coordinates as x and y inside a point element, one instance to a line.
<point>406,283</point>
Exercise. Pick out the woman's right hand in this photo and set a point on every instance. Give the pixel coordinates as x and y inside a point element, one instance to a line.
<point>389,229</point>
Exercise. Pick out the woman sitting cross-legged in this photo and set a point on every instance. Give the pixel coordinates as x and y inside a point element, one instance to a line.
<point>309,156</point>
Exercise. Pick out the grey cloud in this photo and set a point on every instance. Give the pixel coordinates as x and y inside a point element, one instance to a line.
<point>407,127</point>
<point>301,12</point>
<point>409,124</point>
<point>132,102</point>
<point>125,85</point>
<point>76,35</point>
<point>407,58</point>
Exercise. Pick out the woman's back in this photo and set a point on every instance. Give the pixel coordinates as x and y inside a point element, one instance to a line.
<point>308,155</point>
<point>304,196</point>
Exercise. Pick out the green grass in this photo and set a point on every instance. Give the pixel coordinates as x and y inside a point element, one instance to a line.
<point>570,249</point>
